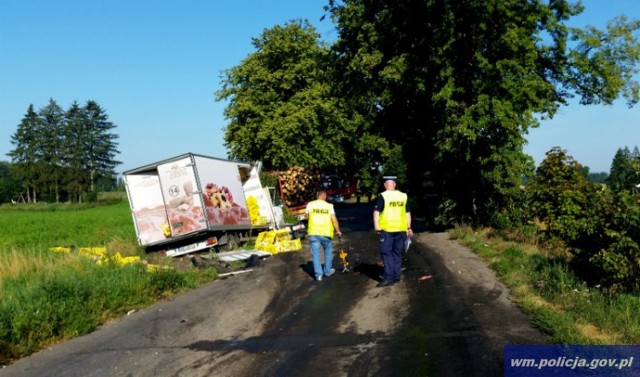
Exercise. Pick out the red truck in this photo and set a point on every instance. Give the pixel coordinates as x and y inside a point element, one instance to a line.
<point>338,191</point>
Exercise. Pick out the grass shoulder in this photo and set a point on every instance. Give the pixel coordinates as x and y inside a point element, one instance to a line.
<point>560,305</point>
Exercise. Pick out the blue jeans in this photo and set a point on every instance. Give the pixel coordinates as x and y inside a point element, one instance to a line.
<point>327,244</point>
<point>391,250</point>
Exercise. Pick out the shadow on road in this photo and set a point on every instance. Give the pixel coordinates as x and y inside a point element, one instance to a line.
<point>372,271</point>
<point>308,269</point>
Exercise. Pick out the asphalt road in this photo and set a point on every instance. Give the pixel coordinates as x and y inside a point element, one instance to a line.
<point>448,316</point>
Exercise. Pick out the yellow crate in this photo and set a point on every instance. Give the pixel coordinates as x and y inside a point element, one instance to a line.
<point>260,220</point>
<point>265,238</point>
<point>93,251</point>
<point>260,238</point>
<point>270,248</point>
<point>61,249</point>
<point>283,235</point>
<point>290,245</point>
<point>269,237</point>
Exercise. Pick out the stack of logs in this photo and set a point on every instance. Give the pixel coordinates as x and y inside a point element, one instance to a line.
<point>298,185</point>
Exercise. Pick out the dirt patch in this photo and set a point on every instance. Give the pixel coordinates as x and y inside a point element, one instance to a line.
<point>377,311</point>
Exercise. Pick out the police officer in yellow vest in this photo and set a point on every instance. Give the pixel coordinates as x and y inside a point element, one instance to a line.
<point>322,222</point>
<point>392,222</point>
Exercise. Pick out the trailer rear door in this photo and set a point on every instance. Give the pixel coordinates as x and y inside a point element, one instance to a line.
<point>182,197</point>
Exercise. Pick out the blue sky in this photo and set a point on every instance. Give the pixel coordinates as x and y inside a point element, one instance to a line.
<point>154,66</point>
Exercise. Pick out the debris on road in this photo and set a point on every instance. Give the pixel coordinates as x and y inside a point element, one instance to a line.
<point>239,255</point>
<point>277,241</point>
<point>234,273</point>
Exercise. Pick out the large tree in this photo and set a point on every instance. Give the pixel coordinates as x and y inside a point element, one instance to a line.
<point>99,146</point>
<point>76,177</point>
<point>281,109</point>
<point>25,154</point>
<point>50,149</point>
<point>625,170</point>
<point>459,83</point>
<point>564,201</point>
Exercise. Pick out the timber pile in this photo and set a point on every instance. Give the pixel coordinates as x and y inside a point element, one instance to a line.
<point>298,185</point>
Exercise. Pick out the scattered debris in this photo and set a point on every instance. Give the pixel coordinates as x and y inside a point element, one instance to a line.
<point>277,241</point>
<point>102,257</point>
<point>425,277</point>
<point>239,255</point>
<point>253,261</point>
<point>234,273</point>
<point>201,262</point>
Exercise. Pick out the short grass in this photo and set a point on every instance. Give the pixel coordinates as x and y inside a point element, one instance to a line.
<point>560,305</point>
<point>47,297</point>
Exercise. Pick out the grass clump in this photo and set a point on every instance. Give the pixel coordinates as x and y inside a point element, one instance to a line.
<point>73,296</point>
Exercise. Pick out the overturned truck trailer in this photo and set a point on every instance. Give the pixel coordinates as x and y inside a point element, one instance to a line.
<point>193,202</point>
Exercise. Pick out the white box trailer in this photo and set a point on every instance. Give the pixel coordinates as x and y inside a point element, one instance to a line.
<point>193,202</point>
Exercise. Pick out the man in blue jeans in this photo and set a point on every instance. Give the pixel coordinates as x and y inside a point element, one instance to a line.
<point>322,223</point>
<point>392,222</point>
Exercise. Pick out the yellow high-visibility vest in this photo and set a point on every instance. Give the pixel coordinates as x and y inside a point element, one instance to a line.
<point>320,223</point>
<point>393,217</point>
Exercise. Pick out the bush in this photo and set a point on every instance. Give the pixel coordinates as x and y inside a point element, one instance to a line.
<point>111,197</point>
<point>617,261</point>
<point>167,281</point>
<point>600,229</point>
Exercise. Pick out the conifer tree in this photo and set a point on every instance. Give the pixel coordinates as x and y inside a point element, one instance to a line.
<point>25,154</point>
<point>100,146</point>
<point>621,173</point>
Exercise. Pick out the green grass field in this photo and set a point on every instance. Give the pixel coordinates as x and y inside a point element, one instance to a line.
<point>55,225</point>
<point>47,296</point>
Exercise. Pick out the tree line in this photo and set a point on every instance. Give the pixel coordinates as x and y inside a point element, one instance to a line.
<point>453,87</point>
<point>61,155</point>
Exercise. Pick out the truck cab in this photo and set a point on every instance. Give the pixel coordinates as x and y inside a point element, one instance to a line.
<point>338,189</point>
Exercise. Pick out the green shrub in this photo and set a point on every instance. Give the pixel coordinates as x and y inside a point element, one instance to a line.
<point>111,197</point>
<point>599,228</point>
<point>167,281</point>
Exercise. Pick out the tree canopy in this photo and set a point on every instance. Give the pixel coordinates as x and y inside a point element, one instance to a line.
<point>459,83</point>
<point>281,109</point>
<point>456,85</point>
